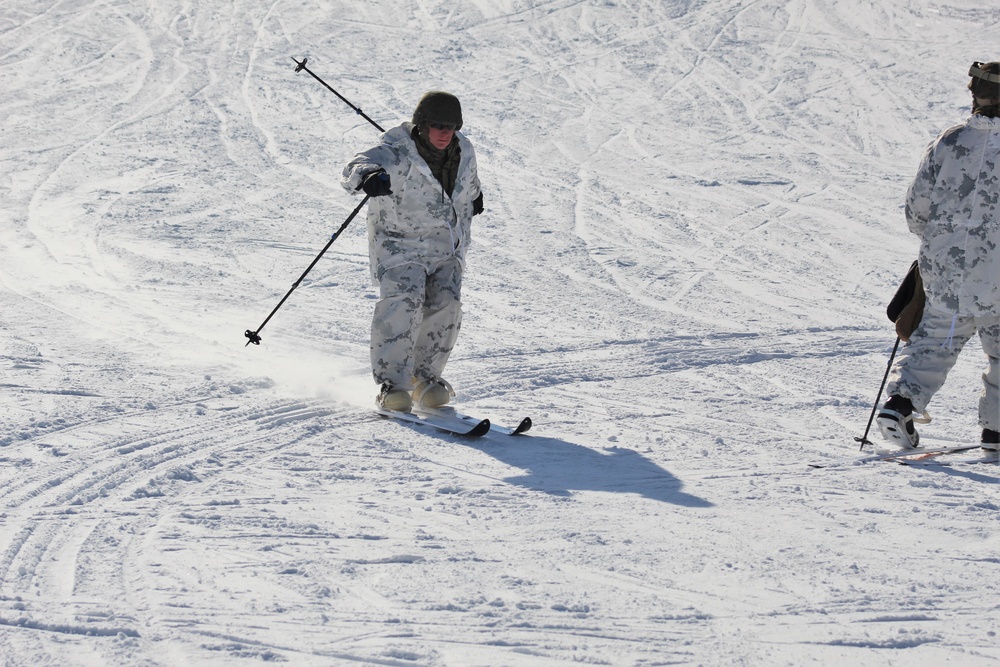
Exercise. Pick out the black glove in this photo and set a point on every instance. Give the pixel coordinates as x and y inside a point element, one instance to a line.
<point>477,204</point>
<point>375,184</point>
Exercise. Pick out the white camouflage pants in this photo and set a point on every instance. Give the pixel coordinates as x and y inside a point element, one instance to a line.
<point>416,323</point>
<point>922,367</point>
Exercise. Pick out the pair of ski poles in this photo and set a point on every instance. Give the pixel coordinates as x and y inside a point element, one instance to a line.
<point>254,336</point>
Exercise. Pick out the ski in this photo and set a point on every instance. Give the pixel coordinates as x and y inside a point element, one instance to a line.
<point>896,455</point>
<point>990,457</point>
<point>524,425</point>
<point>450,413</point>
<point>470,429</point>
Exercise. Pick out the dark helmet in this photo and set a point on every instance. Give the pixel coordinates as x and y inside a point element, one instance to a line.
<point>985,83</point>
<point>438,107</point>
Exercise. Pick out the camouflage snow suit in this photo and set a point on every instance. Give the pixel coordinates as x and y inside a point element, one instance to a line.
<point>417,239</point>
<point>954,206</point>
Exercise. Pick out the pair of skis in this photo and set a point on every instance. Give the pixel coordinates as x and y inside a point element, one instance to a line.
<point>919,456</point>
<point>456,423</point>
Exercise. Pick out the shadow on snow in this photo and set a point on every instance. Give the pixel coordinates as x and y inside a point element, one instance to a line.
<point>558,467</point>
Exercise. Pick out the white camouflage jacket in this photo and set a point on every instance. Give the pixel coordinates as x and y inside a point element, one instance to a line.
<point>954,206</point>
<point>418,223</point>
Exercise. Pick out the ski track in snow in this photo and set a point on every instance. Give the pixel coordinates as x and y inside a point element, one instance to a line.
<point>693,224</point>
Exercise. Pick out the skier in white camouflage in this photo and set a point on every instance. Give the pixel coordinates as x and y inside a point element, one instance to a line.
<point>424,189</point>
<point>953,205</point>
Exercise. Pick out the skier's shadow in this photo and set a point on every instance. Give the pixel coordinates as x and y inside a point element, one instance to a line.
<point>990,476</point>
<point>559,468</point>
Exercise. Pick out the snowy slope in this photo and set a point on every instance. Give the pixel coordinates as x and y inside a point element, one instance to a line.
<point>693,225</point>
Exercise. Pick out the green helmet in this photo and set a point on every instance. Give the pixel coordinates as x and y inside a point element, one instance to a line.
<point>438,107</point>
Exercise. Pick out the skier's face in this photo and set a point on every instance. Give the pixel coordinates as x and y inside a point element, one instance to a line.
<point>440,135</point>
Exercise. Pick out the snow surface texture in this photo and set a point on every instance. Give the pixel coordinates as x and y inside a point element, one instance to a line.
<point>693,226</point>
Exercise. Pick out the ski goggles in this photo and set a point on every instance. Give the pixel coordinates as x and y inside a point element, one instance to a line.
<point>441,126</point>
<point>978,72</point>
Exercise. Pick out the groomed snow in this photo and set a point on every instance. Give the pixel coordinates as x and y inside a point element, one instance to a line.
<point>694,222</point>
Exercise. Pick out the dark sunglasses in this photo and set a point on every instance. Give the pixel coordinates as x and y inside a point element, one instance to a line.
<point>442,126</point>
<point>977,71</point>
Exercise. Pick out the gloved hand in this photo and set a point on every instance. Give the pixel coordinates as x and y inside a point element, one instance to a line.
<point>477,205</point>
<point>376,184</point>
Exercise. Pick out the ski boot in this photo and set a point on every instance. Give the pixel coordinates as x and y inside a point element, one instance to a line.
<point>433,393</point>
<point>895,420</point>
<point>390,398</point>
<point>991,440</point>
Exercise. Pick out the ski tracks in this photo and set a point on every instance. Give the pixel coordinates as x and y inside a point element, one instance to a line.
<point>76,525</point>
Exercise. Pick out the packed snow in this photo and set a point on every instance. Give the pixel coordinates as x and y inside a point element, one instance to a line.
<point>694,223</point>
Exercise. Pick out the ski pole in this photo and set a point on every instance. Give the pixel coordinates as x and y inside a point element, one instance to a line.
<point>254,336</point>
<point>302,66</point>
<point>864,439</point>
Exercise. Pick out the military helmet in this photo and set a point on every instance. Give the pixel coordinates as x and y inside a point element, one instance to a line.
<point>438,107</point>
<point>985,83</point>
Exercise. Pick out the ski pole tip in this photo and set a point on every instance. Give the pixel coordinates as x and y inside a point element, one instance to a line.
<point>300,65</point>
<point>252,337</point>
<point>863,441</point>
